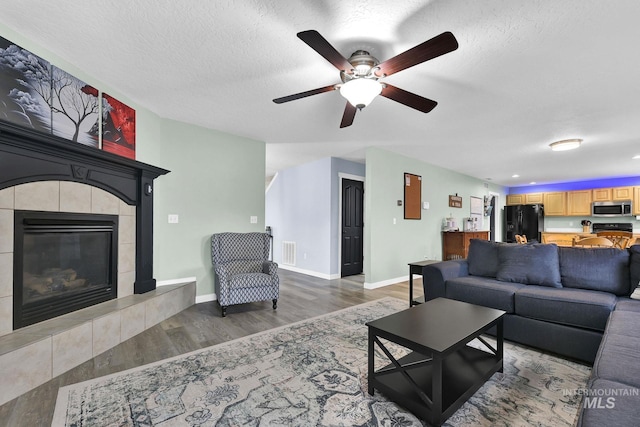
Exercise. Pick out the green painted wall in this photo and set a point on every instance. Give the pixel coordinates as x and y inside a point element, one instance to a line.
<point>216,181</point>
<point>388,247</point>
<point>216,184</point>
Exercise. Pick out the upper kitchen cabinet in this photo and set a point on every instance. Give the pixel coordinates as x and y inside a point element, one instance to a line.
<point>622,193</point>
<point>524,199</point>
<point>533,198</point>
<point>601,194</point>
<point>515,199</point>
<point>555,203</point>
<point>578,203</point>
<point>636,201</point>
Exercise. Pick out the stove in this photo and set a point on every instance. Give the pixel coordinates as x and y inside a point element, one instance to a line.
<point>607,226</point>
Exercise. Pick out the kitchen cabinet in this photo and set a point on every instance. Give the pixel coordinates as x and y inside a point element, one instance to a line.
<point>622,193</point>
<point>524,199</point>
<point>555,203</point>
<point>515,199</point>
<point>533,198</point>
<point>601,194</point>
<point>579,203</point>
<point>455,244</point>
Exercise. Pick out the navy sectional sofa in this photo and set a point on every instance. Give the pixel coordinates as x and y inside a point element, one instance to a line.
<point>570,301</point>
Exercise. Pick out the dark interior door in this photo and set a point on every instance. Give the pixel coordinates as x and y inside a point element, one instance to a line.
<point>352,227</point>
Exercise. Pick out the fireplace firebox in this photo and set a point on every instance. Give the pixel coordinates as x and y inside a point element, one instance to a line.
<point>62,262</point>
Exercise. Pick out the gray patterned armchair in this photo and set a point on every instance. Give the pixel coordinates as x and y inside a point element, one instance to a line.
<point>243,272</point>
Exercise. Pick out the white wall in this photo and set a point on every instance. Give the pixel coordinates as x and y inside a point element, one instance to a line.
<point>303,206</point>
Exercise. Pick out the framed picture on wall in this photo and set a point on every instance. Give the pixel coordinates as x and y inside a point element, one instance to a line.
<point>118,127</point>
<point>412,196</point>
<point>74,108</point>
<point>25,88</point>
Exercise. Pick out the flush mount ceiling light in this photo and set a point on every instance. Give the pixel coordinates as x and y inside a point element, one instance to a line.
<point>636,157</point>
<point>566,144</point>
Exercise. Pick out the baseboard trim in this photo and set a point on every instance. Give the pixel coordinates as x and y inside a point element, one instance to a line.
<point>309,272</point>
<point>205,298</point>
<point>383,283</point>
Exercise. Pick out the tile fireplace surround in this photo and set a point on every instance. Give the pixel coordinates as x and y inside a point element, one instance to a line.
<point>33,355</point>
<point>61,196</point>
<point>40,172</point>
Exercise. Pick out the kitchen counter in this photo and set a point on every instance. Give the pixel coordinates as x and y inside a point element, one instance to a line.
<point>565,238</point>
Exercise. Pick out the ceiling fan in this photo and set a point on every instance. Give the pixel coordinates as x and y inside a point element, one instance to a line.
<point>361,73</point>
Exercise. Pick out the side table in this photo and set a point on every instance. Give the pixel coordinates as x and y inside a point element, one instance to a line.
<point>416,268</point>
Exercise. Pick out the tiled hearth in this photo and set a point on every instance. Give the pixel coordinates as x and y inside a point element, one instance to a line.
<point>33,355</point>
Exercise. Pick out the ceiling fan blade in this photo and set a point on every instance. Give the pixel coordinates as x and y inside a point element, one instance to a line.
<point>439,45</point>
<point>324,48</point>
<point>348,116</point>
<point>304,94</point>
<point>407,98</point>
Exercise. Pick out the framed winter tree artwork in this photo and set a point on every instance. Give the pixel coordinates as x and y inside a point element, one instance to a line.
<point>118,127</point>
<point>25,87</point>
<point>74,108</point>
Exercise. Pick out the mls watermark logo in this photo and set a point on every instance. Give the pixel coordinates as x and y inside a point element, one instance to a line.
<point>601,398</point>
<point>599,402</point>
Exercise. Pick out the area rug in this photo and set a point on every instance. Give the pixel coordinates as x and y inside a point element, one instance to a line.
<point>310,373</point>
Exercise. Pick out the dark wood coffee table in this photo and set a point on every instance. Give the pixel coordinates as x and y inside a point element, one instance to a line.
<point>442,371</point>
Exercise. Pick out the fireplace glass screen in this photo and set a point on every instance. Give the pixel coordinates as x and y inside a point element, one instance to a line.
<point>67,262</point>
<point>63,262</point>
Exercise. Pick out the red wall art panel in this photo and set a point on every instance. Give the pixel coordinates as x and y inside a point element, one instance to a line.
<point>118,127</point>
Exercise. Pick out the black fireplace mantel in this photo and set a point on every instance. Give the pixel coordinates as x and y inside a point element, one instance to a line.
<point>29,156</point>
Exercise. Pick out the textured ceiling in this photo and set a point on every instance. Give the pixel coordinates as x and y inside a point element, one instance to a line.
<point>527,73</point>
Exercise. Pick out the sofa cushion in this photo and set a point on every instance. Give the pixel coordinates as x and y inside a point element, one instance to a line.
<point>625,323</point>
<point>600,410</point>
<point>627,304</point>
<point>617,359</point>
<point>536,264</point>
<point>566,306</point>
<point>599,269</point>
<point>483,258</point>
<point>483,291</point>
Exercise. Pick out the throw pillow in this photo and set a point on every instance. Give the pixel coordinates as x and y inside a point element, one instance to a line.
<point>536,264</point>
<point>483,258</point>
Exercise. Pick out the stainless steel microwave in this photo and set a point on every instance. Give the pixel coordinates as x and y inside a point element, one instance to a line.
<point>622,208</point>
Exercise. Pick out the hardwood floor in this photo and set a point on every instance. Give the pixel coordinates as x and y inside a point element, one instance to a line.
<point>301,297</point>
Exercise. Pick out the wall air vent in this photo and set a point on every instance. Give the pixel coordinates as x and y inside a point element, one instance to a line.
<point>289,253</point>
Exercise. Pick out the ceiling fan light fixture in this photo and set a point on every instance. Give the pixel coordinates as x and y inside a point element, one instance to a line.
<point>362,62</point>
<point>360,92</point>
<point>566,144</point>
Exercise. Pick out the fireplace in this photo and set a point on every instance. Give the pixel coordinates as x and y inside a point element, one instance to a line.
<point>47,174</point>
<point>62,262</point>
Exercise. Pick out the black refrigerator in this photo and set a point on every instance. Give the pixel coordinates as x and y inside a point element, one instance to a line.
<point>527,220</point>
